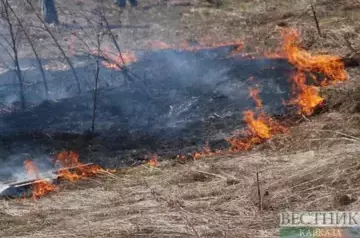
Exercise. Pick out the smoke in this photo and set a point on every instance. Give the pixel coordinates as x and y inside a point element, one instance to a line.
<point>12,168</point>
<point>166,96</point>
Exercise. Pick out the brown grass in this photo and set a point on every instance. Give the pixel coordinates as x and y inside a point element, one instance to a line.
<point>314,167</point>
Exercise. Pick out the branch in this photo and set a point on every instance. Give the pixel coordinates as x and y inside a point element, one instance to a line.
<point>35,53</point>
<point>18,72</point>
<point>58,45</point>
<point>316,20</point>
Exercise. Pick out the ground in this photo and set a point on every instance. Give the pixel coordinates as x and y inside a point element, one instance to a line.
<point>315,166</point>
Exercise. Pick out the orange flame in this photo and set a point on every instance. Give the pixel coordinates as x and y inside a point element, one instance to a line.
<point>158,45</point>
<point>259,129</point>
<point>118,61</point>
<point>153,162</point>
<point>331,66</point>
<point>205,152</point>
<point>67,160</point>
<point>40,187</point>
<point>31,169</point>
<point>307,97</point>
<point>254,94</point>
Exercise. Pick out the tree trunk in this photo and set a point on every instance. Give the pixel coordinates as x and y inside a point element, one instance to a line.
<point>49,12</point>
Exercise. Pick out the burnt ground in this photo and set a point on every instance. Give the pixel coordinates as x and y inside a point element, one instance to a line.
<point>313,167</point>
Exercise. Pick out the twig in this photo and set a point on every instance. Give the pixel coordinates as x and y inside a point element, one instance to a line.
<point>349,45</point>
<point>334,138</point>
<point>211,174</point>
<point>303,116</point>
<point>34,51</point>
<point>336,132</point>
<point>316,20</point>
<point>97,71</point>
<point>15,51</point>
<point>259,192</point>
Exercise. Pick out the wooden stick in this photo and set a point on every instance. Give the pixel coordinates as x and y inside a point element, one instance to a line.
<point>316,20</point>
<point>259,192</point>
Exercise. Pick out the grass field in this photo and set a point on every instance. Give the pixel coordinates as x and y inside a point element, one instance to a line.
<point>315,166</point>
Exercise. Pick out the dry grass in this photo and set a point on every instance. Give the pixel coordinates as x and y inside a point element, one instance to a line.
<point>213,197</point>
<point>314,167</point>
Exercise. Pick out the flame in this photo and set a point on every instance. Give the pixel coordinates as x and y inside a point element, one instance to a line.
<point>254,94</point>
<point>158,45</point>
<point>307,97</point>
<point>115,61</point>
<point>206,151</point>
<point>73,170</point>
<point>118,61</point>
<point>40,187</point>
<point>31,169</point>
<point>260,127</point>
<point>153,162</point>
<point>329,65</point>
<point>67,159</point>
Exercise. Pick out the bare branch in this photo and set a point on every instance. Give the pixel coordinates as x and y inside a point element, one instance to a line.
<point>35,53</point>
<point>18,72</point>
<point>58,46</point>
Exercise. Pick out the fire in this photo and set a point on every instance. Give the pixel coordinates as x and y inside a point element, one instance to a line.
<point>40,187</point>
<point>307,97</point>
<point>67,159</point>
<point>257,126</point>
<point>205,152</point>
<point>158,45</point>
<point>31,169</point>
<point>260,127</point>
<point>254,94</point>
<point>71,169</point>
<point>329,65</point>
<point>115,61</point>
<point>118,61</point>
<point>153,162</point>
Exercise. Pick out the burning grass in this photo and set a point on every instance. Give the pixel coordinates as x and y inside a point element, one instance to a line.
<point>212,198</point>
<point>313,167</point>
<point>69,168</point>
<point>323,69</point>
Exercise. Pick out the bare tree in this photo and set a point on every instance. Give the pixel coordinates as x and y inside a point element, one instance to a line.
<point>47,29</point>
<point>46,88</point>
<point>13,45</point>
<point>97,71</point>
<point>49,12</point>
